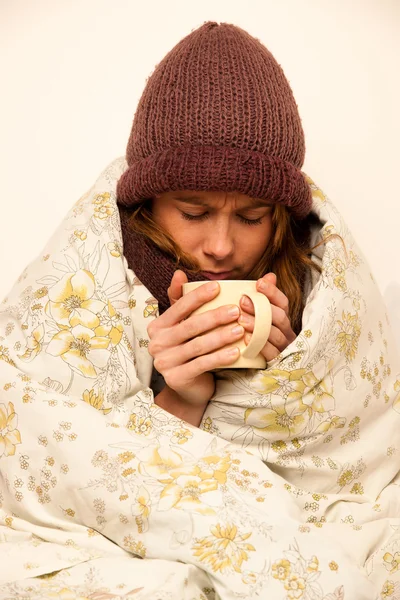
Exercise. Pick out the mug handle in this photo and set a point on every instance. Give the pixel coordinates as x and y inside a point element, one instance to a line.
<point>262,324</point>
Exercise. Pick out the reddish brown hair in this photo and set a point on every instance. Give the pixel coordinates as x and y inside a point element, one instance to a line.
<point>288,254</point>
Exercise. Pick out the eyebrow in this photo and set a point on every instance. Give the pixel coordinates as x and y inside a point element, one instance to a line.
<point>255,203</point>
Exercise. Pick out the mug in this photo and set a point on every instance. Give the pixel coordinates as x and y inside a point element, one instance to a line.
<point>231,292</point>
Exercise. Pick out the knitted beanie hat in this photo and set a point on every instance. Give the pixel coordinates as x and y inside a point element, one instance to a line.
<point>217,114</point>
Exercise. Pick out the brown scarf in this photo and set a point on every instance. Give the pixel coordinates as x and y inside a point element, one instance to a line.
<point>153,267</point>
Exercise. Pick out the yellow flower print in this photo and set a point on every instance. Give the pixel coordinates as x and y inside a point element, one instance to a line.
<point>396,401</point>
<point>141,425</point>
<point>338,265</point>
<point>279,446</point>
<point>186,493</point>
<point>110,325</point>
<point>33,344</point>
<point>215,467</point>
<point>388,589</point>
<point>115,249</point>
<point>4,355</point>
<point>295,586</point>
<point>281,569</point>
<point>318,394</point>
<point>181,436</point>
<point>135,547</point>
<point>288,384</point>
<point>80,235</point>
<point>9,434</point>
<point>141,509</point>
<point>41,292</point>
<point>340,283</point>
<point>151,308</point>
<point>278,421</point>
<point>331,423</point>
<point>71,300</point>
<point>95,400</point>
<point>339,279</point>
<point>249,577</point>
<point>224,550</point>
<point>125,457</point>
<point>349,334</point>
<point>101,198</point>
<point>81,349</point>
<point>333,566</point>
<point>313,565</point>
<point>392,562</point>
<point>161,463</point>
<point>102,207</point>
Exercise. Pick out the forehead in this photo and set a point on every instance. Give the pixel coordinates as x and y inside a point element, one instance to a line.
<point>216,198</point>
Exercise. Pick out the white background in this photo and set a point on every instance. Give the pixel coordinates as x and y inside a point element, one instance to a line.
<point>72,71</point>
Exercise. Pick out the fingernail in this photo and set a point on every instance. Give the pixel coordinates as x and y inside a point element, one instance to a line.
<point>262,285</point>
<point>238,329</point>
<point>233,311</point>
<point>212,286</point>
<point>232,351</point>
<point>246,301</point>
<point>244,319</point>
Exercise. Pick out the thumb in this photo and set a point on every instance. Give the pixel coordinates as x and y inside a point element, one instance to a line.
<point>175,288</point>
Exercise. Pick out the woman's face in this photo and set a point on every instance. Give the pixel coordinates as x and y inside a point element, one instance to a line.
<point>226,232</point>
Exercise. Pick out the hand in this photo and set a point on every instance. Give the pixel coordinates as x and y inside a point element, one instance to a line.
<point>185,348</point>
<point>281,331</point>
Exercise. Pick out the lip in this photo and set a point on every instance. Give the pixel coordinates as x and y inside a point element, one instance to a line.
<point>214,276</point>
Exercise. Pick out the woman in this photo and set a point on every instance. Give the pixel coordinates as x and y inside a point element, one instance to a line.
<point>211,146</point>
<point>278,483</point>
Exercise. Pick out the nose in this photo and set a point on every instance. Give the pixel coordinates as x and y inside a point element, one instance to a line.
<point>219,243</point>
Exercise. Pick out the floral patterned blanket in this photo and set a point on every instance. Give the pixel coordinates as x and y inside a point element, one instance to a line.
<point>290,488</point>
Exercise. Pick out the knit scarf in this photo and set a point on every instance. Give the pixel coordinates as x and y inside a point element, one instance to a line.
<point>153,267</point>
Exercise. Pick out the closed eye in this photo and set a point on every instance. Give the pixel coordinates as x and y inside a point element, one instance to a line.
<point>204,216</point>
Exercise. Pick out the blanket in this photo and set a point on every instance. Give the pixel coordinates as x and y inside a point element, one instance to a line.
<point>288,490</point>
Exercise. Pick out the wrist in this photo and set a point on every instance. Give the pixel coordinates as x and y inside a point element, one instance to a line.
<point>170,401</point>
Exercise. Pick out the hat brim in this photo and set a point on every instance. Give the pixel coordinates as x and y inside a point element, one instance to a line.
<point>216,168</point>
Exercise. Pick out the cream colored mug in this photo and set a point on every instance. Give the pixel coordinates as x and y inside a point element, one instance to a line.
<point>231,292</point>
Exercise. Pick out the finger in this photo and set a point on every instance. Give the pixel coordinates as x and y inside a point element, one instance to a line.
<point>279,318</point>
<point>278,339</point>
<point>201,345</point>
<point>269,351</point>
<point>185,305</point>
<point>281,334</point>
<point>192,328</point>
<point>200,365</point>
<point>175,288</point>
<point>281,321</point>
<point>274,294</point>
<point>271,277</point>
<point>247,320</point>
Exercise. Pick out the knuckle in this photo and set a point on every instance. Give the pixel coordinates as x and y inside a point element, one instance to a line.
<point>281,340</point>
<point>150,348</point>
<point>197,346</point>
<point>285,305</point>
<point>191,328</point>
<point>281,317</point>
<point>202,364</point>
<point>151,327</point>
<point>154,348</point>
<point>159,364</point>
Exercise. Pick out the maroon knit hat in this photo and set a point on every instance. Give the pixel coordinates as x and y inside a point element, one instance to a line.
<point>217,114</point>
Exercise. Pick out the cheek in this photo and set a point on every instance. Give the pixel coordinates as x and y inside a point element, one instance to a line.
<point>254,242</point>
